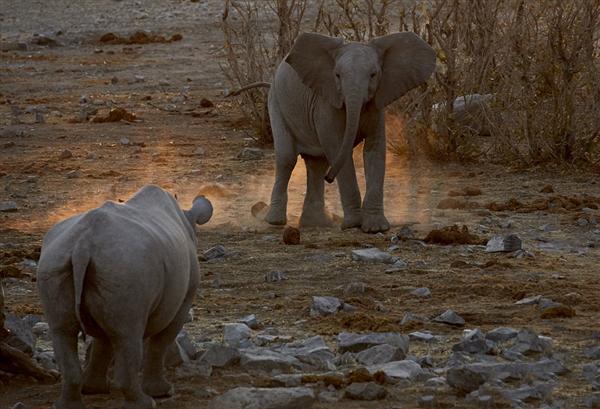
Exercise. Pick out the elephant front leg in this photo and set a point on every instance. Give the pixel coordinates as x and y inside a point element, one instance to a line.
<point>285,161</point>
<point>374,220</point>
<point>313,211</point>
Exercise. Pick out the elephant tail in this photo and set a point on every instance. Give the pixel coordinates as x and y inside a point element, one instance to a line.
<point>80,259</point>
<point>260,84</point>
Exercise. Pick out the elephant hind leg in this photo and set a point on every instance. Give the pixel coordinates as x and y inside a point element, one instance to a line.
<point>313,211</point>
<point>285,161</point>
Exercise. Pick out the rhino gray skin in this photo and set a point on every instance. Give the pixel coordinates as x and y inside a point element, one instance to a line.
<point>123,274</point>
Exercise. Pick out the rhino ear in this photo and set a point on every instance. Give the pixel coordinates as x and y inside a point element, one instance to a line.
<point>407,62</point>
<point>313,59</point>
<point>201,211</point>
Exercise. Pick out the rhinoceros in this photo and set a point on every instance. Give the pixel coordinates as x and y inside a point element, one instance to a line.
<point>126,275</point>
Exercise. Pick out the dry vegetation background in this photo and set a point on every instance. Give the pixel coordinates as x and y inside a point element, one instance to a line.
<point>537,61</point>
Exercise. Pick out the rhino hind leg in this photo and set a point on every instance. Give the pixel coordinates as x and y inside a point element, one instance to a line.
<point>128,351</point>
<point>155,384</point>
<point>65,349</point>
<point>95,379</point>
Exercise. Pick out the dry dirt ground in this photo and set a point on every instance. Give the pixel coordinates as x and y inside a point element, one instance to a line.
<point>172,124</point>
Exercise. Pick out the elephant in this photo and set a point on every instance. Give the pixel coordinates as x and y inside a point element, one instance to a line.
<point>325,99</point>
<point>124,274</point>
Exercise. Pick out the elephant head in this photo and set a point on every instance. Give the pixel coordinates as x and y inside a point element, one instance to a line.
<point>200,212</point>
<point>356,74</point>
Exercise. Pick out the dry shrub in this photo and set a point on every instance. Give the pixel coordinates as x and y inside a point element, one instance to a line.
<point>258,34</point>
<point>532,66</point>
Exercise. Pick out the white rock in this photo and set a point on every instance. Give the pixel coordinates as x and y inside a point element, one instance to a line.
<point>264,398</point>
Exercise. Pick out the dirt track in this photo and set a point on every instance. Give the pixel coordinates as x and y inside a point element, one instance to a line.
<point>172,124</point>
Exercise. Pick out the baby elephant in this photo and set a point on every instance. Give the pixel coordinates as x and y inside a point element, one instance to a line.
<point>123,274</point>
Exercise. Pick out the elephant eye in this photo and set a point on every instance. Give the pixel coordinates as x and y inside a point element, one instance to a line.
<point>337,75</point>
<point>373,75</point>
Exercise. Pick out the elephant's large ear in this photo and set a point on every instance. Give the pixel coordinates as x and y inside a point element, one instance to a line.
<point>407,62</point>
<point>312,57</point>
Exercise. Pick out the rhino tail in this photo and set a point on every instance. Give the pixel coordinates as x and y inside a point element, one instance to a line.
<point>80,260</point>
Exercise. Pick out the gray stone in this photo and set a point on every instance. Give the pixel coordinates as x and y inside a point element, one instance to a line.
<point>451,318</point>
<point>522,254</point>
<point>125,141</point>
<point>322,306</point>
<point>398,265</point>
<point>529,300</point>
<point>423,336</point>
<point>410,317</point>
<point>20,334</point>
<point>435,382</point>
<point>582,222</point>
<point>528,341</point>
<point>373,255</point>
<point>593,352</point>
<point>266,360</point>
<point>41,330</point>
<point>422,292</point>
<point>501,334</point>
<point>474,342</point>
<point>398,370</point>
<point>214,253</point>
<point>287,380</point>
<point>548,228</point>
<point>353,342</point>
<point>220,356</point>
<point>504,244</point>
<point>66,154</point>
<point>264,398</point>
<point>405,233</point>
<point>181,351</point>
<point>237,335</point>
<point>591,372</point>
<point>251,154</point>
<point>545,303</point>
<point>465,378</point>
<point>329,395</point>
<point>346,359</point>
<point>8,206</point>
<point>19,405</point>
<point>312,351</point>
<point>380,354</point>
<point>275,276</point>
<point>427,401</point>
<point>199,151</point>
<point>46,360</point>
<point>592,400</point>
<point>365,391</point>
<point>354,288</point>
<point>250,321</point>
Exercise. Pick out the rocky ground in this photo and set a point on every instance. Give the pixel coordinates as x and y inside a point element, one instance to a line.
<point>504,312</point>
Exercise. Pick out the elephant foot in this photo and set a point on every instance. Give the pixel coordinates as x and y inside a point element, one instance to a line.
<point>144,402</point>
<point>375,223</point>
<point>68,404</point>
<point>276,216</point>
<point>158,388</point>
<point>352,220</point>
<point>315,217</point>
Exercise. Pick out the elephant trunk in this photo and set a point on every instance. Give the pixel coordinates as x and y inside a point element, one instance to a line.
<point>353,108</point>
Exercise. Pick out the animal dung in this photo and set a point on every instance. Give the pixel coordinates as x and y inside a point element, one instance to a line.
<point>291,235</point>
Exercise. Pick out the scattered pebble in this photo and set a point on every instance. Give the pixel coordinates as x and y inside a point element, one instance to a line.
<point>505,244</point>
<point>9,206</point>
<point>322,306</point>
<point>251,154</point>
<point>451,318</point>
<point>275,276</point>
<point>422,292</point>
<point>66,154</point>
<point>373,255</point>
<point>365,391</point>
<point>214,253</point>
<point>267,398</point>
